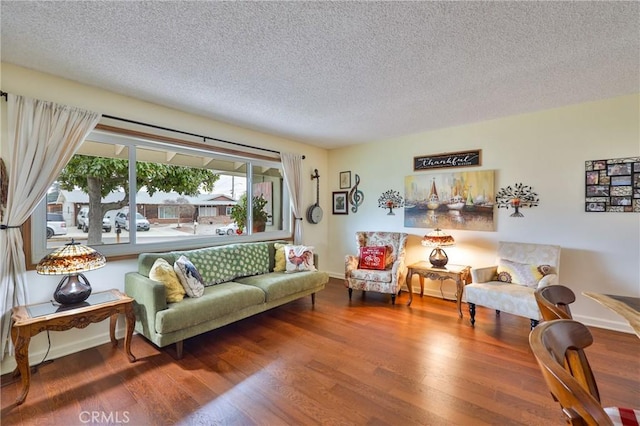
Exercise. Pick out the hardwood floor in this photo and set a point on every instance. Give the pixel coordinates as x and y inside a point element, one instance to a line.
<point>340,363</point>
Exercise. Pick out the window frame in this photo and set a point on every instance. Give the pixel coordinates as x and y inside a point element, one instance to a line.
<point>134,139</point>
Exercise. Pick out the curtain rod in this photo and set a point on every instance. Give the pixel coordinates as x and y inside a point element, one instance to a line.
<point>4,95</point>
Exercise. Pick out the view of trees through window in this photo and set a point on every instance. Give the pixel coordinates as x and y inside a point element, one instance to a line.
<point>171,194</point>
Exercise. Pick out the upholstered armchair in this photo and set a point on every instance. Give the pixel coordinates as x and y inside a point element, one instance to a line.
<point>509,286</point>
<point>379,265</point>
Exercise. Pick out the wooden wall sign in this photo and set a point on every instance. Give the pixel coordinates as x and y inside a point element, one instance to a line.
<point>448,159</point>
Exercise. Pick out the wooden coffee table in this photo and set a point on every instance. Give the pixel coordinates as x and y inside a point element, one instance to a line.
<point>30,320</point>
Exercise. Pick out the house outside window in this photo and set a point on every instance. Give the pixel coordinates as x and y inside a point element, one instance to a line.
<point>177,192</point>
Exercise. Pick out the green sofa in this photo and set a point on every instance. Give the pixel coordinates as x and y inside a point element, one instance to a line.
<point>242,289</point>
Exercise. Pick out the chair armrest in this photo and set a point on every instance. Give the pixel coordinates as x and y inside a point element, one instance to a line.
<point>350,264</point>
<point>399,270</point>
<point>484,275</point>
<point>551,279</point>
<point>150,298</point>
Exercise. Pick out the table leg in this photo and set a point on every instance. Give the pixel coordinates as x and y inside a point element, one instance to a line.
<point>421,279</point>
<point>409,276</point>
<point>130,321</point>
<point>21,344</point>
<point>459,290</point>
<point>113,319</point>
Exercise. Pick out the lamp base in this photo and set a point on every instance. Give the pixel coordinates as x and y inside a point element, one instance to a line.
<point>71,290</point>
<point>438,258</point>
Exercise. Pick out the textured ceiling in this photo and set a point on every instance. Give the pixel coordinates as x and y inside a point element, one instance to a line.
<point>335,73</point>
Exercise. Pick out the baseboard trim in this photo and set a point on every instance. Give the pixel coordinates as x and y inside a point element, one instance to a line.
<point>57,351</point>
<point>623,327</point>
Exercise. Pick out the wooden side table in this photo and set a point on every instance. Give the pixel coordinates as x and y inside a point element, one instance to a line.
<point>458,273</point>
<point>30,320</point>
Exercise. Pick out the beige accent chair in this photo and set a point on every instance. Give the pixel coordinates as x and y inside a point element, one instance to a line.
<point>388,280</point>
<point>517,299</point>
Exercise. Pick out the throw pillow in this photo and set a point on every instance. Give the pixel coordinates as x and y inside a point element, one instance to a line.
<point>299,258</point>
<point>281,263</point>
<point>521,273</point>
<point>189,277</point>
<point>224,263</point>
<point>163,272</point>
<point>373,257</point>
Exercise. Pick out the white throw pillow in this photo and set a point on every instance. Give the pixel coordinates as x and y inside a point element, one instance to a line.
<point>189,277</point>
<point>299,258</point>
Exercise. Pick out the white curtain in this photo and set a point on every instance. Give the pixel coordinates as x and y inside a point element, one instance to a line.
<point>292,168</point>
<point>42,137</point>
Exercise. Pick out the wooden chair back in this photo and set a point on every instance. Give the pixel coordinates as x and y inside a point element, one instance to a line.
<point>559,349</point>
<point>553,302</point>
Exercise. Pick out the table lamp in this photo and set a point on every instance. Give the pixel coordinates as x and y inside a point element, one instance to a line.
<point>438,239</point>
<point>71,260</point>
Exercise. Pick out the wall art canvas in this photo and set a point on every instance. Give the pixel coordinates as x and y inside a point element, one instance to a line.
<point>612,185</point>
<point>456,200</point>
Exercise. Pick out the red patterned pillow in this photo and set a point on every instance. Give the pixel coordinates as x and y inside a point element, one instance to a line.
<point>623,416</point>
<point>373,257</point>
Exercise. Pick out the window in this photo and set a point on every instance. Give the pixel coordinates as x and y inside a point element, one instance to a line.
<point>181,195</point>
<point>168,212</point>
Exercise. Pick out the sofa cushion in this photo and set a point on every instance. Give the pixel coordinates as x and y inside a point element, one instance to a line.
<point>520,273</point>
<point>510,298</point>
<point>189,277</point>
<point>299,258</point>
<point>371,275</point>
<point>146,261</point>
<point>224,263</point>
<point>280,263</point>
<point>278,284</point>
<point>163,272</point>
<point>217,301</point>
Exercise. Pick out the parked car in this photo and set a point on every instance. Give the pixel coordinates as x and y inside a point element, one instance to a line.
<point>122,221</point>
<point>55,225</point>
<point>230,229</point>
<point>82,218</point>
<point>82,221</point>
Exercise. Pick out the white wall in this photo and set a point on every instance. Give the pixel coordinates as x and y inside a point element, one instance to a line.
<point>21,81</point>
<point>547,150</point>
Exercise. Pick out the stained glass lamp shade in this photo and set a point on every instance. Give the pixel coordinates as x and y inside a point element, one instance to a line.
<point>438,239</point>
<point>70,261</point>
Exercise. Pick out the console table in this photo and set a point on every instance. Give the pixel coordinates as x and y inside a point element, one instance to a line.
<point>458,273</point>
<point>30,320</point>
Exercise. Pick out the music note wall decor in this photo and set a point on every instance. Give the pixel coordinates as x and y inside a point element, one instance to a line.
<point>356,197</point>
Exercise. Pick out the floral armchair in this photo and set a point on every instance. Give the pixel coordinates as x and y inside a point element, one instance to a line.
<point>509,286</point>
<point>390,276</point>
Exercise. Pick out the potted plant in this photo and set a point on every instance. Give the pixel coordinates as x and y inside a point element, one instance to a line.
<point>260,216</point>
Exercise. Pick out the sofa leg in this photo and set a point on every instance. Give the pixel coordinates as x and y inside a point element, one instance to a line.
<point>179,346</point>
<point>393,299</point>
<point>313,298</point>
<point>534,323</point>
<point>472,313</point>
<point>350,293</point>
